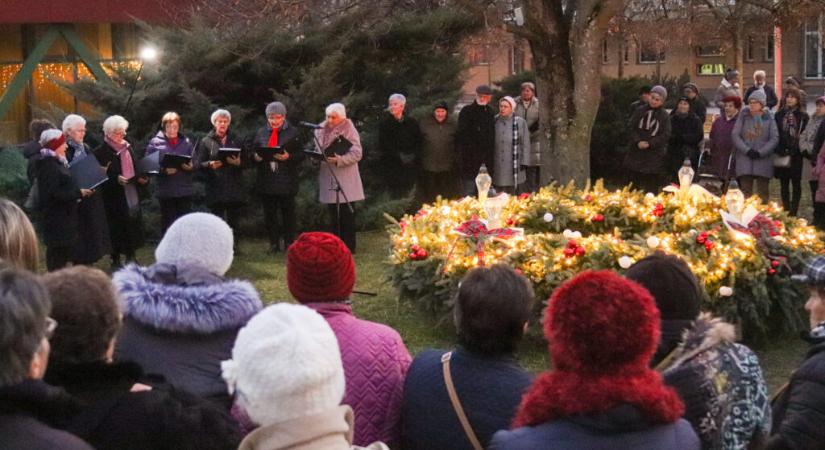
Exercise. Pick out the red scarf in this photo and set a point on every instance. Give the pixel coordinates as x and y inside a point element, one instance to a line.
<point>173,142</point>
<point>273,138</point>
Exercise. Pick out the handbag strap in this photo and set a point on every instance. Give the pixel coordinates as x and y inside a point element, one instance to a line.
<point>459,410</point>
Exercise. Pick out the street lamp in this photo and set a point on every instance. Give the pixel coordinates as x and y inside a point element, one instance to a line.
<point>146,54</point>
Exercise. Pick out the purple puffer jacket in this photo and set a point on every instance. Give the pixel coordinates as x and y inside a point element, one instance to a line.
<point>181,184</point>
<point>375,365</point>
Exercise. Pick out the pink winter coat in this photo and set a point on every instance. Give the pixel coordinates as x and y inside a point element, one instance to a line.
<point>819,174</point>
<point>375,365</point>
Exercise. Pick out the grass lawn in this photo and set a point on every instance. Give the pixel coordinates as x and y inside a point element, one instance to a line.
<point>421,331</point>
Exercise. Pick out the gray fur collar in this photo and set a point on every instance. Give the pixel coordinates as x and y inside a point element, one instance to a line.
<point>202,307</point>
<point>707,332</point>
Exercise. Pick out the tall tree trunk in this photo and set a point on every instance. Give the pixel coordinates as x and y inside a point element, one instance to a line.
<point>739,51</point>
<point>620,57</point>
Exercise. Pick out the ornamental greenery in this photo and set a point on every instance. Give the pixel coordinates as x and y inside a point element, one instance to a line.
<point>745,276</point>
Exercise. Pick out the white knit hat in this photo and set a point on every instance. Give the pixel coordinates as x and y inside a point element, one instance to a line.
<point>285,364</point>
<point>198,239</point>
<point>509,100</point>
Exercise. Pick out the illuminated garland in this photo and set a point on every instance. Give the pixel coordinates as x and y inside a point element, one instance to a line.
<point>568,230</point>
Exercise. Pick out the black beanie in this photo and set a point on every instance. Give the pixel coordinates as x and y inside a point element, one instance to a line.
<point>672,284</point>
<point>442,105</point>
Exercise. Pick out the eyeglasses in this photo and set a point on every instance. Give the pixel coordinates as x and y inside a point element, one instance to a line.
<point>51,325</point>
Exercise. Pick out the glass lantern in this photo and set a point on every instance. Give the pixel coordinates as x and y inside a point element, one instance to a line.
<point>493,206</point>
<point>685,176</point>
<point>735,200</point>
<point>483,183</point>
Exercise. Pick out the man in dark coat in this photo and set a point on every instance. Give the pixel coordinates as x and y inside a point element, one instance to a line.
<point>646,159</point>
<point>760,83</point>
<point>224,174</point>
<point>475,138</point>
<point>30,410</point>
<point>276,182</point>
<point>492,311</point>
<point>399,146</point>
<point>644,98</point>
<point>439,175</point>
<point>686,133</point>
<point>799,411</point>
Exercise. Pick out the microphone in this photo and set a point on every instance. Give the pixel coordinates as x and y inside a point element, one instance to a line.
<point>314,126</point>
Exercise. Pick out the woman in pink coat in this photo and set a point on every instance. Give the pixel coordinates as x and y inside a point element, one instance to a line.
<point>344,165</point>
<point>321,274</point>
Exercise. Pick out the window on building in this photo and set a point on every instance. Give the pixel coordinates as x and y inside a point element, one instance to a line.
<point>750,49</point>
<point>769,44</point>
<point>124,41</point>
<point>709,50</point>
<point>650,53</point>
<point>477,55</point>
<point>626,52</point>
<point>710,69</point>
<point>814,52</point>
<point>518,58</point>
<point>605,56</point>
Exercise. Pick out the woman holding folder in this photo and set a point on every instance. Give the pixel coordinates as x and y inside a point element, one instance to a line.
<point>176,186</point>
<point>121,196</point>
<point>59,197</point>
<point>93,238</point>
<point>277,159</point>
<point>221,161</point>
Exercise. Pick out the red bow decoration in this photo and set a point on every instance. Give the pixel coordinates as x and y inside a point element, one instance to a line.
<point>476,231</point>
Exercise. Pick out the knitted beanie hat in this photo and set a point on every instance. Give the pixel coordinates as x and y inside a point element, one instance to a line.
<point>692,86</point>
<point>599,323</point>
<point>198,239</point>
<point>52,139</point>
<point>758,96</point>
<point>319,268</point>
<point>275,108</point>
<point>285,364</point>
<point>672,284</point>
<point>659,89</point>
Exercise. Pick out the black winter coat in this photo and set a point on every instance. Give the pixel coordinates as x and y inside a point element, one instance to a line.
<point>30,415</point>
<point>115,418</point>
<point>282,178</point>
<point>698,108</point>
<point>799,413</point>
<point>125,227</point>
<point>686,133</point>
<point>475,139</point>
<point>224,185</point>
<point>93,237</point>
<point>400,146</point>
<point>59,197</point>
<point>788,145</point>
<point>653,126</point>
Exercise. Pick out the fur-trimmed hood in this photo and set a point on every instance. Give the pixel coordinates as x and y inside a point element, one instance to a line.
<point>185,300</point>
<point>707,332</point>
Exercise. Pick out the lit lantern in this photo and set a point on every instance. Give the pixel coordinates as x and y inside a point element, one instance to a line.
<point>735,200</point>
<point>685,177</point>
<point>483,183</point>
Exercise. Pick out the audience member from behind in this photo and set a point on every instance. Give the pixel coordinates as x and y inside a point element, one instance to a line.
<point>491,314</point>
<point>181,315</point>
<point>321,274</point>
<point>30,409</point>
<point>120,412</point>
<point>18,241</point>
<point>799,411</point>
<point>720,381</point>
<point>600,394</point>
<point>287,376</point>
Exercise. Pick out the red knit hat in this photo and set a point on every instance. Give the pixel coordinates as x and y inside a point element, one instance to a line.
<point>319,268</point>
<point>603,330</point>
<point>55,143</point>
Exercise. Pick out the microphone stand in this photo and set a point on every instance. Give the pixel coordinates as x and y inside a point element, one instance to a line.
<point>339,191</point>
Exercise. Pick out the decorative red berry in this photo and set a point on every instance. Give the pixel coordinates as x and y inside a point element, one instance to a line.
<point>569,251</point>
<point>421,253</point>
<point>572,243</point>
<point>709,245</point>
<point>598,218</point>
<point>701,239</point>
<point>771,271</point>
<point>523,196</point>
<point>774,263</point>
<point>510,222</point>
<point>580,251</point>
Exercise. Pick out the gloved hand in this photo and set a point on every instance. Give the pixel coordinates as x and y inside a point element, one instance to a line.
<point>753,154</point>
